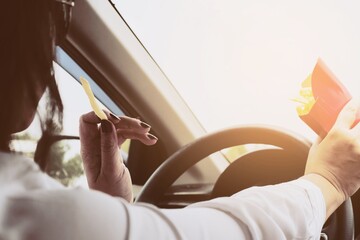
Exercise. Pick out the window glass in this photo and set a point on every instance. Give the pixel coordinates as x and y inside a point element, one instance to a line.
<point>247,59</point>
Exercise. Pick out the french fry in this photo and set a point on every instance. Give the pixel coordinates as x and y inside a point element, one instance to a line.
<point>306,99</point>
<point>92,100</point>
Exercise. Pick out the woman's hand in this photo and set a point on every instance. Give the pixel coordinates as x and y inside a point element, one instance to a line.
<point>334,162</point>
<point>104,167</point>
<point>337,156</point>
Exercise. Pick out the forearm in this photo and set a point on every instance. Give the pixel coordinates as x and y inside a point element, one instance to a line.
<point>290,210</point>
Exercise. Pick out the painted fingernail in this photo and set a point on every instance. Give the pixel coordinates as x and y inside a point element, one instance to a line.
<point>114,117</point>
<point>152,136</point>
<point>106,126</point>
<point>145,125</point>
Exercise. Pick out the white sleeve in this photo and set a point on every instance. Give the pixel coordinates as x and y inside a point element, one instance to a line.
<point>293,210</point>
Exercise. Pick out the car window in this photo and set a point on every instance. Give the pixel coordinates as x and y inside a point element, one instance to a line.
<point>241,62</point>
<point>65,164</point>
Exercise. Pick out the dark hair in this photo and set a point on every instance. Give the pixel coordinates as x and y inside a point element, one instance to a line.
<point>27,52</point>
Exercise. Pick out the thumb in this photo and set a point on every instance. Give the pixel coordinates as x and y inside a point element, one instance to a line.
<point>347,115</point>
<point>110,156</point>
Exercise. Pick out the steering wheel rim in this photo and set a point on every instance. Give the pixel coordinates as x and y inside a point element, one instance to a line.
<point>171,169</point>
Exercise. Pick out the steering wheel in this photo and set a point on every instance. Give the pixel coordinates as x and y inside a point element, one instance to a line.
<point>289,157</point>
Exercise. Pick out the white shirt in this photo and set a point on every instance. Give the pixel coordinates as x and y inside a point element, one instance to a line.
<point>34,206</point>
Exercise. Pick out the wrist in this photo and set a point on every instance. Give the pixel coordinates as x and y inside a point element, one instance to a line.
<point>333,196</point>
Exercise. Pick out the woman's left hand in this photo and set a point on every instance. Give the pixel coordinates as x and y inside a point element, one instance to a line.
<point>103,163</point>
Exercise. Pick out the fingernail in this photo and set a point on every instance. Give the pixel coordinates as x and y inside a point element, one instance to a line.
<point>152,136</point>
<point>145,125</point>
<point>114,117</point>
<point>106,126</point>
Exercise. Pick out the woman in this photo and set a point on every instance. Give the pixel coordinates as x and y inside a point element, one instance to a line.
<point>33,206</point>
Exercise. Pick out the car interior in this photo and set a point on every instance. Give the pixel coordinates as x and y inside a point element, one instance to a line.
<point>190,162</point>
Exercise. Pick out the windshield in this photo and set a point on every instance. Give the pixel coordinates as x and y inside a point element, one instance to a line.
<point>241,62</point>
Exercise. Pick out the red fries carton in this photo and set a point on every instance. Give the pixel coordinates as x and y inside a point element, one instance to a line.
<point>321,99</point>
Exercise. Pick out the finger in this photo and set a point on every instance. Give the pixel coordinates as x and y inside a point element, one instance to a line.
<point>92,118</point>
<point>317,141</point>
<point>122,122</point>
<point>89,149</point>
<point>145,138</point>
<point>356,129</point>
<point>356,125</point>
<point>347,115</point>
<point>315,144</point>
<point>132,123</point>
<point>112,117</point>
<point>88,128</point>
<point>110,158</point>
